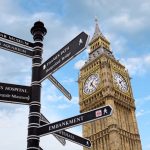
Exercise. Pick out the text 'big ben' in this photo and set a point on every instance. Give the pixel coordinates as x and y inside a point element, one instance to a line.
<point>104,81</point>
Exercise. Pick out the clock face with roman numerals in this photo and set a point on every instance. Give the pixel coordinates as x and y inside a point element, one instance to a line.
<point>120,82</point>
<point>91,84</point>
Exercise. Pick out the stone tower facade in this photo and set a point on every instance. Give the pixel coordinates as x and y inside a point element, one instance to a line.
<point>104,81</point>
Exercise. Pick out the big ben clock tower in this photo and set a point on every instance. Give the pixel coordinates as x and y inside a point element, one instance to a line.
<point>104,81</point>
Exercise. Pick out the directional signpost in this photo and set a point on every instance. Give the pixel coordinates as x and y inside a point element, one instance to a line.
<point>74,138</point>
<point>76,120</point>
<point>38,125</point>
<point>16,40</point>
<point>68,52</point>
<point>44,121</point>
<point>67,135</point>
<point>22,49</point>
<point>60,87</point>
<point>16,49</point>
<point>10,93</point>
<point>41,148</point>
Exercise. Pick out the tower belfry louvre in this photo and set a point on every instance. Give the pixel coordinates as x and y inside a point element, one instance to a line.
<point>105,81</point>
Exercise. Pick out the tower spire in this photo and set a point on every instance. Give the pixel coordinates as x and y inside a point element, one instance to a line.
<point>97,29</point>
<point>98,39</point>
<point>97,32</point>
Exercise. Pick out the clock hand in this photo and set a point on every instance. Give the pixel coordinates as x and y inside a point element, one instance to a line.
<point>92,84</point>
<point>120,81</point>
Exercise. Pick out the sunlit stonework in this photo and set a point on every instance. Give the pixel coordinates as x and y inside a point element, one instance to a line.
<point>104,81</point>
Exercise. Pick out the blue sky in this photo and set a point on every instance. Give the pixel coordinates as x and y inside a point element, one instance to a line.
<point>124,23</point>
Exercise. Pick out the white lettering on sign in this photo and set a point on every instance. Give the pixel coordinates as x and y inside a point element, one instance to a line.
<point>66,134</point>
<point>5,95</point>
<point>21,97</point>
<point>56,63</point>
<point>1,87</point>
<point>66,123</point>
<point>64,50</point>
<point>13,89</point>
<point>18,40</point>
<point>66,56</point>
<point>16,89</point>
<point>12,47</point>
<point>54,58</point>
<point>57,57</point>
<point>11,38</point>
<point>15,96</point>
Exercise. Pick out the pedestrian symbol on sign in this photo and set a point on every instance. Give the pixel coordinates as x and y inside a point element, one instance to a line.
<point>44,67</point>
<point>105,111</point>
<point>80,41</point>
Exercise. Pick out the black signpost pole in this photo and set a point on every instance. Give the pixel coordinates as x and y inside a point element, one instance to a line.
<point>38,31</point>
<point>31,95</point>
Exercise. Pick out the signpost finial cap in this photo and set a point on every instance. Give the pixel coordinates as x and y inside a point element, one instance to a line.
<point>38,27</point>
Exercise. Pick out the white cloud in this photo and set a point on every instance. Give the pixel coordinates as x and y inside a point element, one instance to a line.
<point>75,100</point>
<point>63,106</point>
<point>137,65</point>
<point>147,146</point>
<point>79,64</point>
<point>147,98</point>
<point>13,128</point>
<point>50,93</point>
<point>126,22</point>
<point>145,7</point>
<point>144,99</point>
<point>8,7</point>
<point>118,43</point>
<point>54,97</point>
<point>140,113</point>
<point>141,102</point>
<point>14,70</point>
<point>68,80</point>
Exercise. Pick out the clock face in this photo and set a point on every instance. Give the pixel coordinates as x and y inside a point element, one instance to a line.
<point>120,82</point>
<point>91,84</point>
